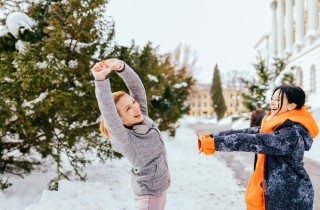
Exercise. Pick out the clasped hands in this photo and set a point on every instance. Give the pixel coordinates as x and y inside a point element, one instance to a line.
<point>101,69</point>
<point>206,144</point>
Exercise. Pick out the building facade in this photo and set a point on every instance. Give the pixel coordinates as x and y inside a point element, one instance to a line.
<point>234,101</point>
<point>295,37</point>
<point>200,102</point>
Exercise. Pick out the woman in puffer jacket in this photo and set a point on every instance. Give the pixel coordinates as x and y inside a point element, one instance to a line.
<point>279,181</point>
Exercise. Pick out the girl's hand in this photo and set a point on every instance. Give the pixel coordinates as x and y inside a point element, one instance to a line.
<point>113,64</point>
<point>102,69</point>
<point>99,72</point>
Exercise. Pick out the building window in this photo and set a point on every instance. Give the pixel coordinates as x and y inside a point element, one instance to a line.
<point>299,76</point>
<point>313,79</point>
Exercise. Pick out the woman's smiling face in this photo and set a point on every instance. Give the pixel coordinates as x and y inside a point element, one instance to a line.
<point>279,103</point>
<point>275,103</point>
<point>129,110</point>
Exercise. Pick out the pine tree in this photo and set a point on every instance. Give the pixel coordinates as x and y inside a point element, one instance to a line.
<point>257,89</point>
<point>266,79</point>
<point>47,96</point>
<point>219,105</point>
<point>176,69</point>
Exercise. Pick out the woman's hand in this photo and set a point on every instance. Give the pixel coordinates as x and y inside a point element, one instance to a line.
<point>101,69</point>
<point>113,64</point>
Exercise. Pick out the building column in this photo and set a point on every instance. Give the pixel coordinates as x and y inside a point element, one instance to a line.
<point>289,24</point>
<point>280,36</point>
<point>299,8</point>
<point>312,18</point>
<point>273,40</point>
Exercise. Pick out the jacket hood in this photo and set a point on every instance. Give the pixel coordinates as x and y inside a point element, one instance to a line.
<point>301,116</point>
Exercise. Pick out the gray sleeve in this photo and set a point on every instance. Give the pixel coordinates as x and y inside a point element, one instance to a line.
<point>112,121</point>
<point>135,87</point>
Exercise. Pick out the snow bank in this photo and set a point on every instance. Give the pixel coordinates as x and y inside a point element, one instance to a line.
<point>17,20</point>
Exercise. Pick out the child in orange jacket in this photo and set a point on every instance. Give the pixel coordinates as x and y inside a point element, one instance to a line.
<point>279,180</point>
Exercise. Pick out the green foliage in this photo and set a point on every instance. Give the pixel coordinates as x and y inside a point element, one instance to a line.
<point>8,43</point>
<point>47,99</point>
<point>258,88</point>
<point>219,104</point>
<point>288,77</point>
<point>167,110</point>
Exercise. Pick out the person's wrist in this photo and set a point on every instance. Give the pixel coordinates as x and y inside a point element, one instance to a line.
<point>99,78</point>
<point>121,68</point>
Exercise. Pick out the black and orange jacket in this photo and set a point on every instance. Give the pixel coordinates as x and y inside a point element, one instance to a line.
<point>279,181</point>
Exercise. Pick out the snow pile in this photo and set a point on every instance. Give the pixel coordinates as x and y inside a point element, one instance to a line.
<point>19,21</point>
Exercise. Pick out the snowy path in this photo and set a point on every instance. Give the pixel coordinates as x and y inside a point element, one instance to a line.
<point>199,182</point>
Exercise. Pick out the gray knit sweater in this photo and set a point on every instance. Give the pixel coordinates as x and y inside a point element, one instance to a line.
<point>146,152</point>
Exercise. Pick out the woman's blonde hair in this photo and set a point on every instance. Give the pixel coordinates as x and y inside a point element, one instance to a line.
<point>116,96</point>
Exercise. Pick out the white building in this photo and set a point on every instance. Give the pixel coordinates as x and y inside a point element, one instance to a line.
<point>295,36</point>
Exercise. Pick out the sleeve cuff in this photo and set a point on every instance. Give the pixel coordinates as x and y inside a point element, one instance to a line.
<point>123,68</point>
<point>102,84</point>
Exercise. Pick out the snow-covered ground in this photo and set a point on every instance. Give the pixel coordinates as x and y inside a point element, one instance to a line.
<point>198,181</point>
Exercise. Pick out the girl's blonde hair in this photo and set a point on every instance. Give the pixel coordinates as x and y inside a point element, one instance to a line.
<point>116,96</point>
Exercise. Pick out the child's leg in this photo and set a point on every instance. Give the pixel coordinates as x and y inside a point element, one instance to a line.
<point>150,202</point>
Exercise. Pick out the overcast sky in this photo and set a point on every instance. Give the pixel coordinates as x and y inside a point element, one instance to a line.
<point>217,31</point>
